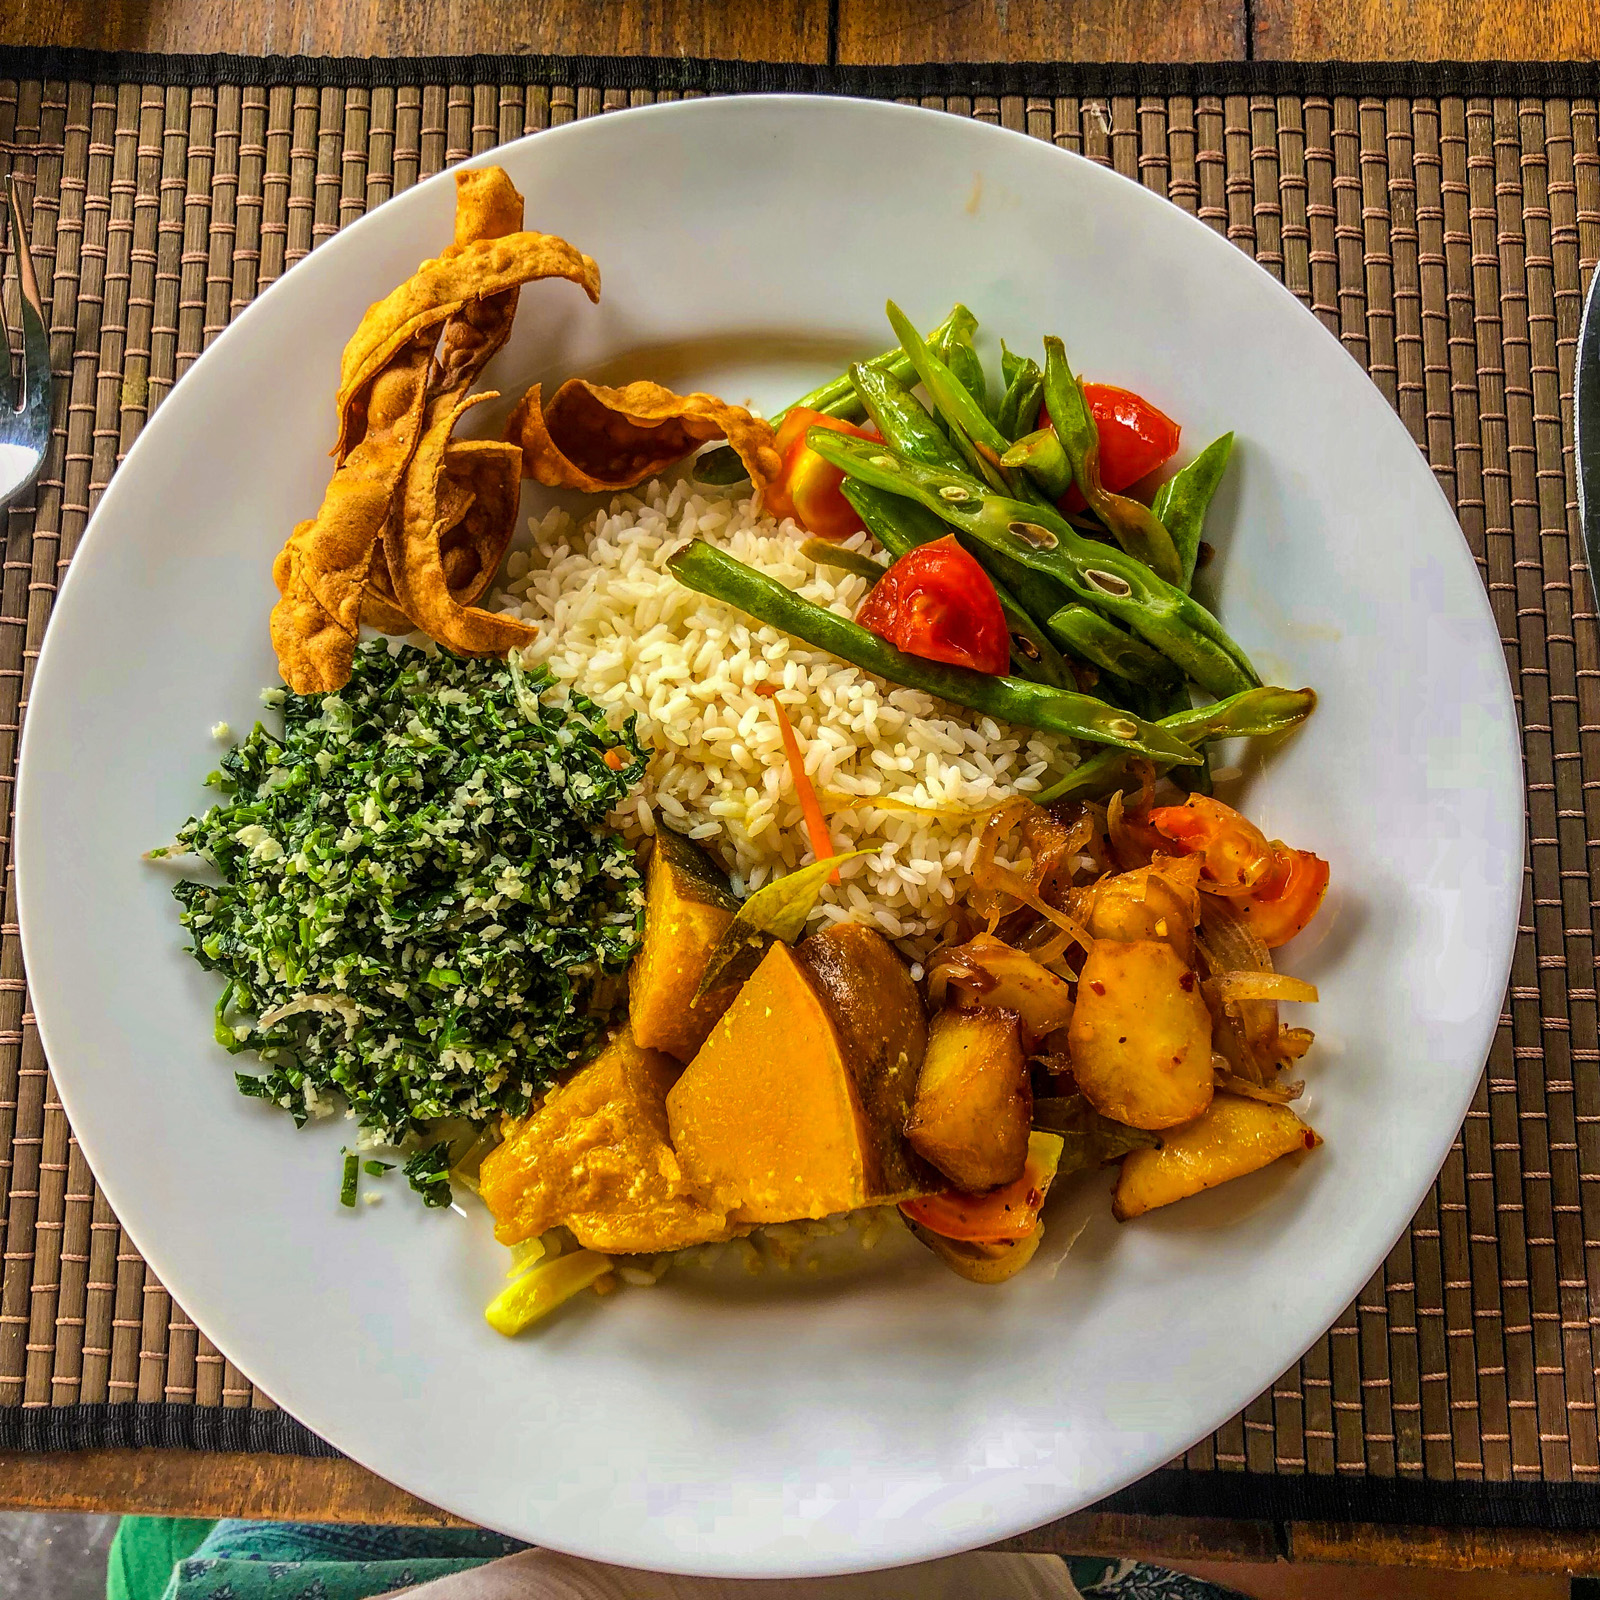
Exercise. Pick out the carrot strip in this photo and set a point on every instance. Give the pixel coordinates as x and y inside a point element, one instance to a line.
<point>810,806</point>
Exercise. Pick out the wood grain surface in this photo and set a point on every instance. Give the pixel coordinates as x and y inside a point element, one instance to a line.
<point>871,31</point>
<point>1426,30</point>
<point>893,32</point>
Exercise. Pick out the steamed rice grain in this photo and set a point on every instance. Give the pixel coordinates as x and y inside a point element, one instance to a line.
<point>615,623</point>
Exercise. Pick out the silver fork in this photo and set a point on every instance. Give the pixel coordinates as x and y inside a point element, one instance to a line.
<point>24,420</point>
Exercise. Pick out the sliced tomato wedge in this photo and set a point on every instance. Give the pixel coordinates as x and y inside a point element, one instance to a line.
<point>1235,855</point>
<point>807,487</point>
<point>938,603</point>
<point>1276,889</point>
<point>1003,1214</point>
<point>1135,439</point>
<point>1286,902</point>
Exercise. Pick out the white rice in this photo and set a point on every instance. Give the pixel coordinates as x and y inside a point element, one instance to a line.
<point>618,626</point>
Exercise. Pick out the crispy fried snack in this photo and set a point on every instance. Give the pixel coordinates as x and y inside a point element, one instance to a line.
<point>598,439</point>
<point>403,375</point>
<point>441,291</point>
<point>477,510</point>
<point>414,547</point>
<point>321,573</point>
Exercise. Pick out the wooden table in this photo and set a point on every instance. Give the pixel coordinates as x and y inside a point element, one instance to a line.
<point>872,32</point>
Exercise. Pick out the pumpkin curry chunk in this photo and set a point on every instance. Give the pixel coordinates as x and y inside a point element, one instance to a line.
<point>794,1105</point>
<point>688,906</point>
<point>595,1158</point>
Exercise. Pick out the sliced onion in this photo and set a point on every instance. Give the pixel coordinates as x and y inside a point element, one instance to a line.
<point>987,898</point>
<point>1294,1042</point>
<point>1124,847</point>
<point>1263,986</point>
<point>1020,889</point>
<point>956,967</point>
<point>1246,1030</point>
<point>1274,1094</point>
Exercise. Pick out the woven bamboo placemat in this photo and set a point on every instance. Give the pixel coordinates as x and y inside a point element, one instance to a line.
<point>1440,221</point>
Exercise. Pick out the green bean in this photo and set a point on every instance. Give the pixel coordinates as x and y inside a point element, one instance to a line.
<point>900,525</point>
<point>1103,644</point>
<point>974,435</point>
<point>1256,713</point>
<point>828,554</point>
<point>1181,502</point>
<point>958,353</point>
<point>1012,366</point>
<point>835,398</point>
<point>1040,539</point>
<point>1019,409</point>
<point>1131,524</point>
<point>911,433</point>
<point>1044,458</point>
<point>703,567</point>
<point>903,420</point>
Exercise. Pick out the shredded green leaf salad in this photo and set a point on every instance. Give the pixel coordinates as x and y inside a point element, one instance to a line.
<point>420,906</point>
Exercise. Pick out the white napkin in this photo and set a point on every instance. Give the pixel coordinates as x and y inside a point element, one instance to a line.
<point>544,1575</point>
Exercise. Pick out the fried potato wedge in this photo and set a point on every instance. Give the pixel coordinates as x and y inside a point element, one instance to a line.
<point>597,439</point>
<point>1006,979</point>
<point>1234,1137</point>
<point>974,1102</point>
<point>1161,901</point>
<point>1140,1038</point>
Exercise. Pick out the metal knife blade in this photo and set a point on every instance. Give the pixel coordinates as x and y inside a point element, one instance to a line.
<point>1586,408</point>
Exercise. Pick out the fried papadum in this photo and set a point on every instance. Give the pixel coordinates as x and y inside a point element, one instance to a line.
<point>597,439</point>
<point>322,572</point>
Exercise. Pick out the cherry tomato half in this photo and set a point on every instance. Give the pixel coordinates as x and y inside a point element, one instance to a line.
<point>807,487</point>
<point>938,603</point>
<point>1135,439</point>
<point>1275,889</point>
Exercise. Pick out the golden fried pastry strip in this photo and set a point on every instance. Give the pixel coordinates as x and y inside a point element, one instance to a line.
<point>597,439</point>
<point>477,513</point>
<point>322,571</point>
<point>414,549</point>
<point>442,290</point>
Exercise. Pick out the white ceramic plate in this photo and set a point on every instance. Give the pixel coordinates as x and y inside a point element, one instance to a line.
<point>893,1413</point>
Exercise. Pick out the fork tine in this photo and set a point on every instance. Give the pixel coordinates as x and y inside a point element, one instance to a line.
<point>35,337</point>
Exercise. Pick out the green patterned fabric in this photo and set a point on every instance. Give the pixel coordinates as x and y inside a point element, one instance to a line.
<point>1116,1578</point>
<point>154,1558</point>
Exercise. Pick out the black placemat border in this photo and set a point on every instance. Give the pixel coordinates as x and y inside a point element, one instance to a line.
<point>1563,1507</point>
<point>1566,79</point>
